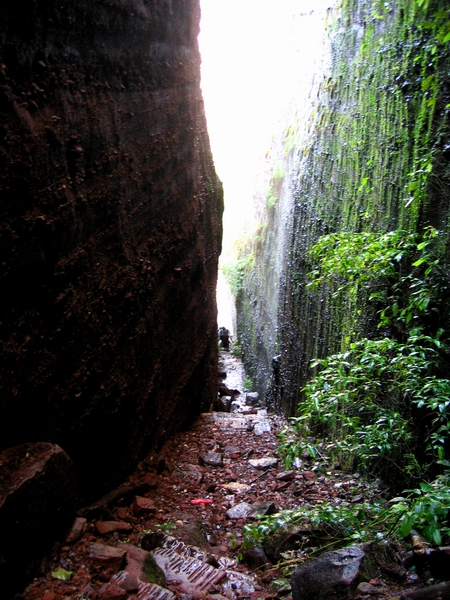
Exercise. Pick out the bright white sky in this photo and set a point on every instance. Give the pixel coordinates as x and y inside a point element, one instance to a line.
<point>257,55</point>
<point>258,61</point>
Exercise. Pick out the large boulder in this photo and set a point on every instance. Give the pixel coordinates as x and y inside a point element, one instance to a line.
<point>334,574</point>
<point>37,500</point>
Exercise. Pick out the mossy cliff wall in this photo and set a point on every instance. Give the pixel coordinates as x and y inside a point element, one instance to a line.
<point>110,229</point>
<point>378,160</point>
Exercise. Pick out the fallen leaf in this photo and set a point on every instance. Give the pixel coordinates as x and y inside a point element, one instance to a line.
<point>62,574</point>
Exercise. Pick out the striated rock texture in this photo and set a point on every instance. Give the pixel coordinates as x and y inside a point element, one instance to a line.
<point>374,157</point>
<point>110,229</point>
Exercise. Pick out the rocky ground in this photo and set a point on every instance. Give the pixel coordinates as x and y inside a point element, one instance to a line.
<point>174,530</point>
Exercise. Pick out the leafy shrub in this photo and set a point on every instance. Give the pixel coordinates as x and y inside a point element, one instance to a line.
<point>381,405</point>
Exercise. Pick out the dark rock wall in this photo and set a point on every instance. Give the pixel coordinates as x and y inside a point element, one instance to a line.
<point>110,229</point>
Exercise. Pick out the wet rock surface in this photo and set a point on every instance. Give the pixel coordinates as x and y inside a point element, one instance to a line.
<point>334,574</point>
<point>193,534</point>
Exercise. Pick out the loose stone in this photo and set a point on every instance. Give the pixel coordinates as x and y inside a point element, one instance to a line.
<point>104,527</point>
<point>213,459</point>
<point>263,463</point>
<point>143,505</point>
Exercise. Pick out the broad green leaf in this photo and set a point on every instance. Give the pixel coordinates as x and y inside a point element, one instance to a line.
<point>419,262</point>
<point>437,539</point>
<point>427,82</point>
<point>406,525</point>
<point>426,487</point>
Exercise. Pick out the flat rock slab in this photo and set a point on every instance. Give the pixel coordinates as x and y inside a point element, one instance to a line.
<point>151,591</point>
<point>126,581</point>
<point>240,511</point>
<point>235,486</point>
<point>146,591</point>
<point>264,463</point>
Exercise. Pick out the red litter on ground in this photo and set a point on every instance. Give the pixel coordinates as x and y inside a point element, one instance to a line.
<point>202,501</point>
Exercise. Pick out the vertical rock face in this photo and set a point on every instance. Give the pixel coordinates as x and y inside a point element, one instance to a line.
<point>358,168</point>
<point>110,229</point>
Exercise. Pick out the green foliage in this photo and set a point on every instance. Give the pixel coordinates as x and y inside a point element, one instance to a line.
<point>273,193</point>
<point>360,401</point>
<point>248,383</point>
<point>62,574</point>
<point>271,199</point>
<point>234,272</point>
<point>381,405</point>
<point>236,349</point>
<point>425,508</point>
<point>337,525</point>
<point>278,173</point>
<point>254,535</point>
<point>154,574</point>
<point>400,269</point>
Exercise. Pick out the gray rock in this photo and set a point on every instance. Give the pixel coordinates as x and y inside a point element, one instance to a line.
<point>263,508</point>
<point>334,574</point>
<point>262,426</point>
<point>252,399</point>
<point>213,459</point>
<point>286,476</point>
<point>264,463</point>
<point>240,511</point>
